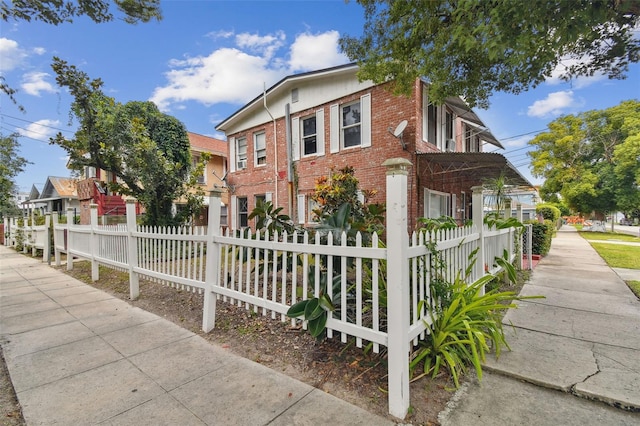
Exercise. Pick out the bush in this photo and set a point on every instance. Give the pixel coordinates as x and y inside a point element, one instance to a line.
<point>549,212</point>
<point>541,238</point>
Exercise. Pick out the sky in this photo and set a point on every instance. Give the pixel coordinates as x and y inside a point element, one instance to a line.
<point>206,59</point>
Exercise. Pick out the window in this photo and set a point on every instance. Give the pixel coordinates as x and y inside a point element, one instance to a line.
<point>243,212</point>
<point>437,204</point>
<point>311,206</point>
<point>223,215</point>
<point>309,139</point>
<point>259,199</point>
<point>241,153</point>
<point>471,139</point>
<point>438,124</point>
<point>201,179</point>
<point>260,142</point>
<point>350,124</point>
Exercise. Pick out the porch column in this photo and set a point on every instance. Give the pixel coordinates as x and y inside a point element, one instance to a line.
<point>477,215</point>
<point>397,286</point>
<point>212,261</point>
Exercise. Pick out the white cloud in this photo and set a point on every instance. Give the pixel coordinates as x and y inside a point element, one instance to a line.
<point>34,83</point>
<point>12,55</point>
<point>237,74</point>
<point>40,130</point>
<point>39,50</point>
<point>517,142</point>
<point>554,104</point>
<point>312,52</point>
<point>576,83</point>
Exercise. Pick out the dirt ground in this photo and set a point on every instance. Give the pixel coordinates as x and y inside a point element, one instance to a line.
<point>343,370</point>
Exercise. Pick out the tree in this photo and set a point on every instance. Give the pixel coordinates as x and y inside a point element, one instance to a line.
<point>146,150</point>
<point>473,48</point>
<point>60,11</point>
<point>592,159</point>
<point>11,164</point>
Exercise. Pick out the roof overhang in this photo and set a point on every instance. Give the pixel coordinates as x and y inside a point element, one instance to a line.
<point>471,167</point>
<point>466,114</point>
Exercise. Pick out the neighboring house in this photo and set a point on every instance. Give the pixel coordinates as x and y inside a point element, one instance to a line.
<point>21,199</point>
<point>93,188</point>
<point>307,124</point>
<point>58,194</point>
<point>214,173</point>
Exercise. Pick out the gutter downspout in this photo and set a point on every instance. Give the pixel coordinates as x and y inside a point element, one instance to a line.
<point>287,120</point>
<point>275,144</point>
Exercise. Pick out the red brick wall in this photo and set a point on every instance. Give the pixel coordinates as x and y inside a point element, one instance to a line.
<point>387,111</point>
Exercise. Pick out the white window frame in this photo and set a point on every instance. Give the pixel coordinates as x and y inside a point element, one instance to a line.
<point>442,131</point>
<point>344,127</point>
<point>260,149</point>
<point>195,159</point>
<point>445,203</point>
<point>241,213</point>
<point>303,137</point>
<point>241,157</point>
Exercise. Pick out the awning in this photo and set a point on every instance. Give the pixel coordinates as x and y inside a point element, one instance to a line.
<point>470,167</point>
<point>466,114</point>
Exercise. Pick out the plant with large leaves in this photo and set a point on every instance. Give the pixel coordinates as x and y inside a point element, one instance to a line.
<point>465,330</point>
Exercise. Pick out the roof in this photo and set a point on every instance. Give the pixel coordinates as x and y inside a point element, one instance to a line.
<point>208,144</point>
<point>58,187</point>
<point>474,166</point>
<point>466,114</point>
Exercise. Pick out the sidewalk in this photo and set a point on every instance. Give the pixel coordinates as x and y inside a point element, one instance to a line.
<point>573,352</point>
<point>78,356</point>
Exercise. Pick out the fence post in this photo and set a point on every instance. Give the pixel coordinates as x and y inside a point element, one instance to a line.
<point>46,249</point>
<point>398,309</point>
<point>520,248</point>
<point>132,246</point>
<point>94,243</point>
<point>477,215</point>
<point>212,265</point>
<point>69,238</point>
<point>56,243</point>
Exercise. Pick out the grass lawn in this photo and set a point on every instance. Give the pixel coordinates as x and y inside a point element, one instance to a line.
<point>635,287</point>
<point>618,255</point>
<point>608,236</point>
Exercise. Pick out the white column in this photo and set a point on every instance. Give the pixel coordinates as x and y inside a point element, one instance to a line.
<point>212,262</point>
<point>519,216</point>
<point>56,243</point>
<point>397,286</point>
<point>95,269</point>
<point>46,249</point>
<point>132,246</point>
<point>69,238</point>
<point>477,215</point>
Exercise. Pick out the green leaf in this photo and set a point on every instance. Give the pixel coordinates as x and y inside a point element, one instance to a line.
<point>297,309</point>
<point>313,309</point>
<point>317,325</point>
<point>325,303</point>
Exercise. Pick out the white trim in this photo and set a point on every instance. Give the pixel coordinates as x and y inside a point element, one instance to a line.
<point>365,120</point>
<point>232,154</point>
<point>301,209</point>
<point>320,132</point>
<point>295,138</point>
<point>335,128</point>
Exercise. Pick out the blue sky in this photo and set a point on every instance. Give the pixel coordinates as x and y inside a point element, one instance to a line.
<point>205,59</point>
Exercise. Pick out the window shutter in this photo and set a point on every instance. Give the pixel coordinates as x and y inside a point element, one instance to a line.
<point>232,216</point>
<point>454,207</point>
<point>295,138</point>
<point>232,154</point>
<point>320,131</point>
<point>301,209</point>
<point>335,128</point>
<point>365,120</point>
<point>268,197</point>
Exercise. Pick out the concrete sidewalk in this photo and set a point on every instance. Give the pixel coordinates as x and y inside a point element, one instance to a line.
<point>78,356</point>
<point>571,353</point>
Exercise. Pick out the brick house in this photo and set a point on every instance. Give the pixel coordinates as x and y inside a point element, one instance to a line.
<point>307,124</point>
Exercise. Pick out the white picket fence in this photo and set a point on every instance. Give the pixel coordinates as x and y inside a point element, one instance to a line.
<point>376,289</point>
<point>31,237</point>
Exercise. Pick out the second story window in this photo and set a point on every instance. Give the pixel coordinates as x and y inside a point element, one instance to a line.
<point>309,136</point>
<point>201,179</point>
<point>260,142</point>
<point>241,153</point>
<point>350,124</point>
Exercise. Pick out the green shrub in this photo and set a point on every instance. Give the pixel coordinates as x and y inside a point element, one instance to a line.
<point>549,212</point>
<point>541,238</point>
